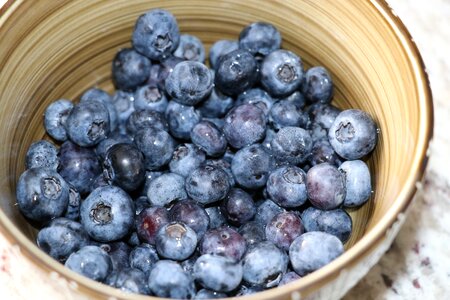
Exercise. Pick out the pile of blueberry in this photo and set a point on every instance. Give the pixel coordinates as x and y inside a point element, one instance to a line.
<point>194,181</point>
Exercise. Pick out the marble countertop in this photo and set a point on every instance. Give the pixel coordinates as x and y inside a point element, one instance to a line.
<point>417,266</point>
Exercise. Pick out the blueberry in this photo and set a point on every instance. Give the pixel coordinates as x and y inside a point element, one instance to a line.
<point>190,48</point>
<point>149,221</point>
<point>149,177</point>
<point>188,264</point>
<point>42,194</point>
<point>176,241</point>
<point>166,189</point>
<point>217,273</point>
<point>238,207</point>
<point>264,265</point>
<point>115,138</point>
<point>336,222</point>
<point>168,280</point>
<point>223,241</point>
<point>281,73</point>
<point>209,138</point>
<point>208,294</point>
<point>224,165</point>
<point>322,117</point>
<point>189,83</point>
<point>260,38</point>
<point>132,239</point>
<point>98,182</point>
<point>182,119</point>
<point>143,257</point>
<point>129,280</point>
<point>292,145</point>
<point>216,219</point>
<point>191,214</point>
<point>317,85</point>
<point>79,166</point>
<point>283,229</point>
<point>353,134</point>
<point>143,118</point>
<point>295,98</point>
<point>156,34</point>
<point>251,166</point>
<point>253,233</point>
<point>286,186</point>
<point>55,118</point>
<point>285,113</point>
<point>245,290</point>
<point>150,97</point>
<point>166,67</point>
<point>156,145</point>
<point>42,154</point>
<point>124,166</point>
<point>216,105</point>
<point>140,204</point>
<point>124,103</point>
<point>107,214</point>
<point>313,250</point>
<point>90,261</point>
<point>357,182</point>
<point>270,134</point>
<point>119,253</point>
<point>322,152</point>
<point>325,186</point>
<point>266,210</point>
<point>100,96</point>
<point>73,209</point>
<point>288,278</point>
<point>207,184</point>
<point>219,49</point>
<point>130,69</point>
<point>62,238</point>
<point>236,72</point>
<point>257,97</point>
<point>88,123</point>
<point>186,158</point>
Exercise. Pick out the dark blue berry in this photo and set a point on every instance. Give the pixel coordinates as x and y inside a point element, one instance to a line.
<point>322,152</point>
<point>223,241</point>
<point>257,97</point>
<point>166,189</point>
<point>42,154</point>
<point>115,138</point>
<point>264,264</point>
<point>220,48</point>
<point>191,214</point>
<point>140,204</point>
<point>236,72</point>
<point>189,83</point>
<point>224,165</point>
<point>55,119</point>
<point>124,166</point>
<point>168,280</point>
<point>100,96</point>
<point>266,210</point>
<point>62,238</point>
<point>288,278</point>
<point>209,138</point>
<point>217,273</point>
<point>156,145</point>
<point>143,118</point>
<point>260,38</point>
<point>325,186</point>
<point>124,103</point>
<point>151,98</point>
<point>353,134</point>
<point>143,257</point>
<point>281,73</point>
<point>119,253</point>
<point>186,158</point>
<point>190,48</point>
<point>336,222</point>
<point>283,229</point>
<point>251,166</point>
<point>270,134</point>
<point>90,261</point>
<point>107,214</point>
<point>129,69</point>
<point>357,182</point>
<point>42,194</point>
<point>207,184</point>
<point>129,280</point>
<point>295,98</point>
<point>216,219</point>
<point>286,186</point>
<point>182,119</point>
<point>317,85</point>
<point>238,207</point>
<point>253,232</point>
<point>149,176</point>
<point>73,209</point>
<point>176,241</point>
<point>149,221</point>
<point>285,113</point>
<point>166,67</point>
<point>313,250</point>
<point>216,105</point>
<point>156,34</point>
<point>292,145</point>
<point>79,166</point>
<point>208,294</point>
<point>245,290</point>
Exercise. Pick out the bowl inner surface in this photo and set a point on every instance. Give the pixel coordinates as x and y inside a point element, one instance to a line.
<point>58,49</point>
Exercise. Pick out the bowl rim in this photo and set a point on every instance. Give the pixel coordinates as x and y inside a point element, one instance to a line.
<point>329,272</point>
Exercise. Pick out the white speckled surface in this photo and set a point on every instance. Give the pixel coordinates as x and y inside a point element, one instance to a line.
<point>418,264</point>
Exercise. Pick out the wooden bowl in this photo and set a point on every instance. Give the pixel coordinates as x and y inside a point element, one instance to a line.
<point>58,49</point>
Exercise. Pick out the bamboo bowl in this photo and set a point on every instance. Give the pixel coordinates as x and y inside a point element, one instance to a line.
<point>57,49</point>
